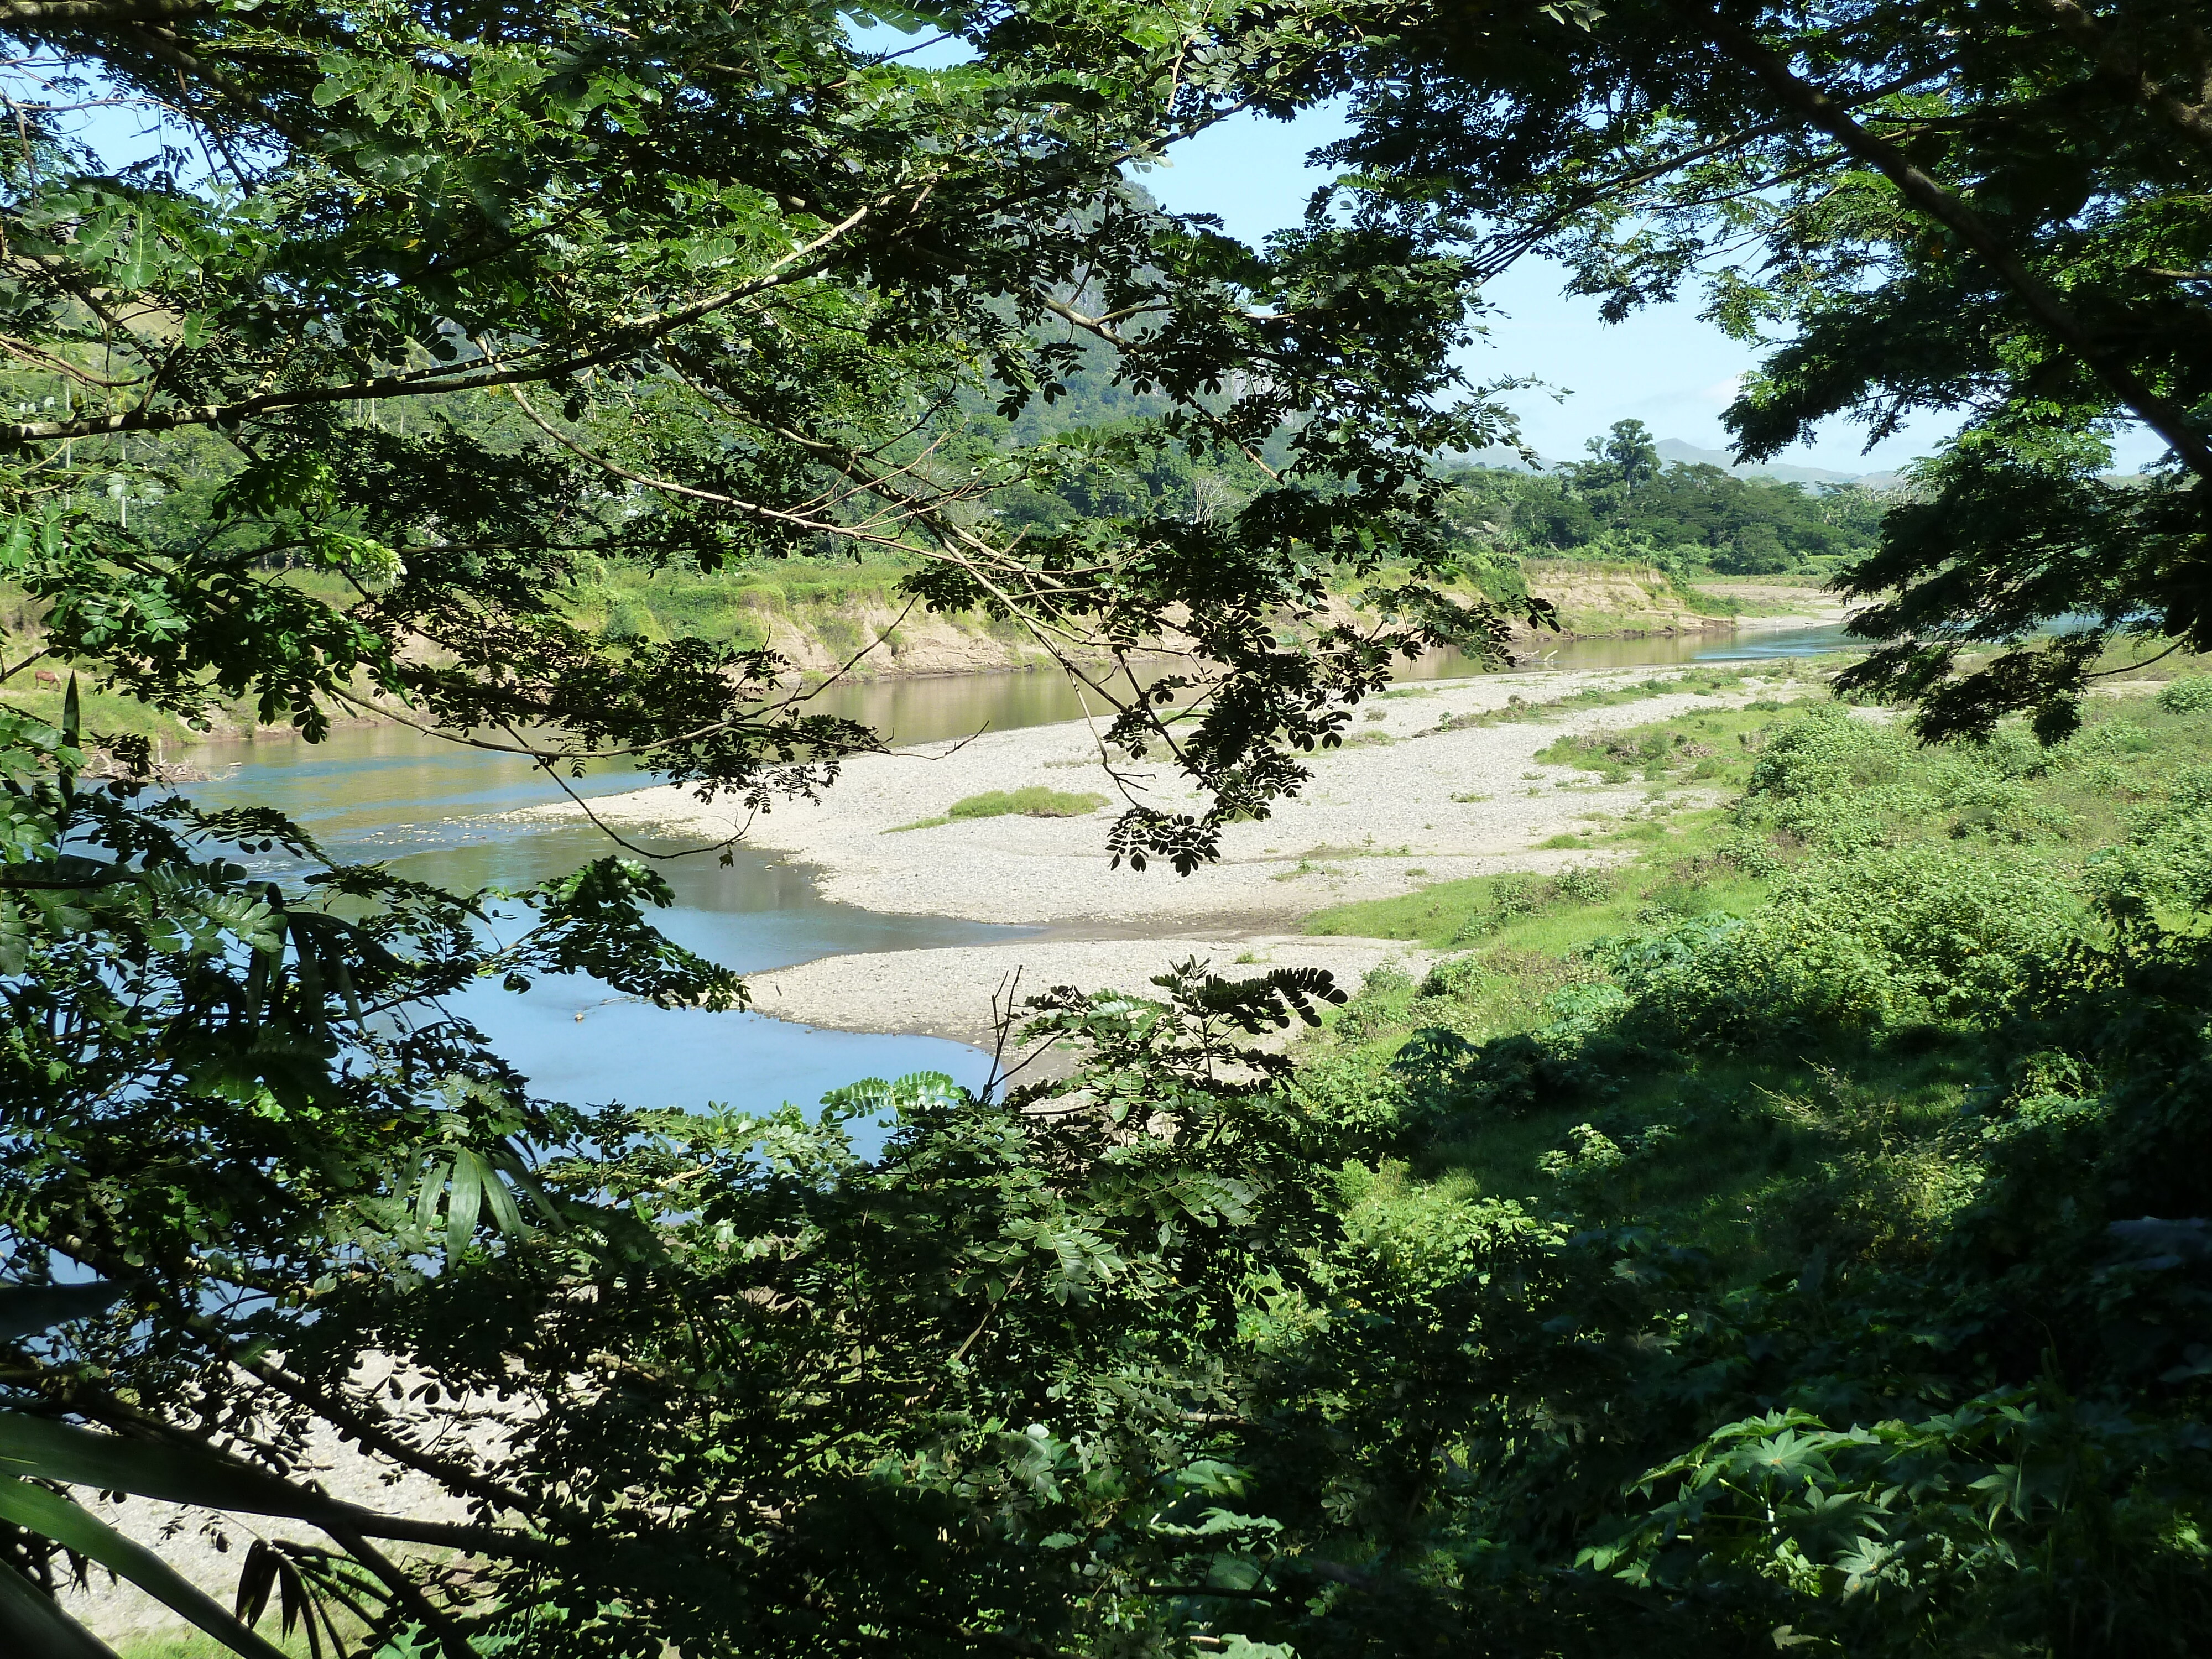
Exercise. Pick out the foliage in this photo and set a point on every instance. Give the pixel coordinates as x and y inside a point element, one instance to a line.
<point>1583,1330</point>
<point>1033,800</point>
<point>1924,207</point>
<point>1874,937</point>
<point>1845,1290</point>
<point>417,325</point>
<point>1625,503</point>
<point>1907,1398</point>
<point>2186,696</point>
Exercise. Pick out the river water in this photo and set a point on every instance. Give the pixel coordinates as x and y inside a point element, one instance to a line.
<point>437,812</point>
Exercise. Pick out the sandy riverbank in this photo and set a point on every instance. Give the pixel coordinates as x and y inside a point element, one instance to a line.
<point>1408,801</point>
<point>953,991</point>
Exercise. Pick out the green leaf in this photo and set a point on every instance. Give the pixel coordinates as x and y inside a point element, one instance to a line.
<point>465,1200</point>
<point>426,1195</point>
<point>52,1516</point>
<point>15,938</point>
<point>67,779</point>
<point>505,1214</point>
<point>27,1309</point>
<point>40,1449</point>
<point>30,1623</point>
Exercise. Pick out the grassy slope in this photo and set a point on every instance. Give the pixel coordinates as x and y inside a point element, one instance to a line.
<point>1838,1144</point>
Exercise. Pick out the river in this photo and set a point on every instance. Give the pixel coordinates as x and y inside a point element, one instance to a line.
<point>440,812</point>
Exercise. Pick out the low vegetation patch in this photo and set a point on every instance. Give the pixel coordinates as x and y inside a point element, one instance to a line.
<point>1842,1124</point>
<point>1780,1017</point>
<point>1862,897</point>
<point>1035,801</point>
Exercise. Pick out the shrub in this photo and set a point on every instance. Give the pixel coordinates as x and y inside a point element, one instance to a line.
<point>2012,752</point>
<point>2005,809</point>
<point>1405,1236</point>
<point>2169,851</point>
<point>2192,696</point>
<point>1448,1077</point>
<point>1386,979</point>
<point>1834,783</point>
<point>1858,943</point>
<point>2106,742</point>
<point>630,618</point>
<point>1824,752</point>
<point>1587,883</point>
<point>1454,976</point>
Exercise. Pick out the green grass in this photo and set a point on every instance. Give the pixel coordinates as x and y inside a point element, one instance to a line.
<point>738,606</point>
<point>1035,801</point>
<point>101,712</point>
<point>1717,748</point>
<point>1519,914</point>
<point>2082,793</point>
<point>1758,1162</point>
<point>183,1643</point>
<point>1802,675</point>
<point>1845,1145</point>
<point>2126,754</point>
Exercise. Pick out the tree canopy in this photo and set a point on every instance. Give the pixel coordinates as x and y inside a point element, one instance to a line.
<point>1625,503</point>
<point>1165,1356</point>
<point>1989,211</point>
<point>441,304</point>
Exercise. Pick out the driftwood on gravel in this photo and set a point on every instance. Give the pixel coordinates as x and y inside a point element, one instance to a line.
<point>106,764</point>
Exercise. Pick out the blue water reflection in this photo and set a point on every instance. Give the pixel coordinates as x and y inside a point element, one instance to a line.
<point>436,811</point>
<point>1767,646</point>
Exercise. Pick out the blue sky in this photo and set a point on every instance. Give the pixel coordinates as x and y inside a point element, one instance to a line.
<point>1663,366</point>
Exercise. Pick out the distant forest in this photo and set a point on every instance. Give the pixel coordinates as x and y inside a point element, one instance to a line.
<point>1625,502</point>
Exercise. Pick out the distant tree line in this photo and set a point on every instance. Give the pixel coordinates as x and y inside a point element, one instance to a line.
<point>1625,501</point>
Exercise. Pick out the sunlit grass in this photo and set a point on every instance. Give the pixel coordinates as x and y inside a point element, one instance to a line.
<point>1035,801</point>
<point>1811,1149</point>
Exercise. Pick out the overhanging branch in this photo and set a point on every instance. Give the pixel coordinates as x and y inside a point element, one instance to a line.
<point>1932,200</point>
<point>631,334</point>
<point>80,14</point>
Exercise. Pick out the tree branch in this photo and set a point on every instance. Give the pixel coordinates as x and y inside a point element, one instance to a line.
<point>630,335</point>
<point>407,1592</point>
<point>79,13</point>
<point>2123,64</point>
<point>1945,209</point>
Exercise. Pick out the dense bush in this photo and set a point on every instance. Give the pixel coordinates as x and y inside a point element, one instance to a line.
<point>1941,1127</point>
<point>2168,854</point>
<point>2191,696</point>
<point>1855,943</point>
<point>629,617</point>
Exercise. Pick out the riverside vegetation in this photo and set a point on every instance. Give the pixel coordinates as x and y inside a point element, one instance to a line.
<point>1790,1238</point>
<point>1760,1234</point>
<point>1656,528</point>
<point>1854,1102</point>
